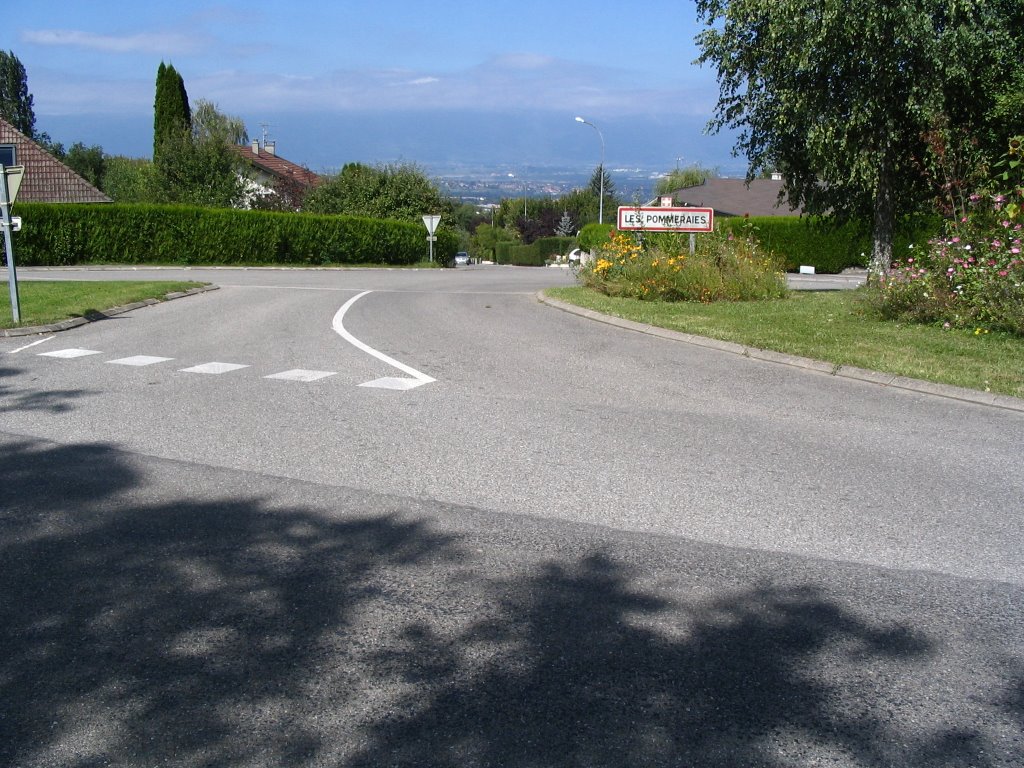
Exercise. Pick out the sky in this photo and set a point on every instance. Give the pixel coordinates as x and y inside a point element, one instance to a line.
<point>488,83</point>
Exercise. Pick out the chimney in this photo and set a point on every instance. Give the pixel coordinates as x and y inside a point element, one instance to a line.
<point>255,146</point>
<point>270,148</point>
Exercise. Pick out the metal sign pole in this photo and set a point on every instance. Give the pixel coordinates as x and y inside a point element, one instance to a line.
<point>430,222</point>
<point>5,224</point>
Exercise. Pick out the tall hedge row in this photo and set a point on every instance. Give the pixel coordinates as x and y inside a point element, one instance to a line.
<point>829,249</point>
<point>536,254</point>
<point>133,234</point>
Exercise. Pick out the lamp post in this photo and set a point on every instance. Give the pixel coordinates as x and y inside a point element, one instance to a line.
<point>600,205</point>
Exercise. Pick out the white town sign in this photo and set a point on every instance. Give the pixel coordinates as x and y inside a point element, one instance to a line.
<point>667,219</point>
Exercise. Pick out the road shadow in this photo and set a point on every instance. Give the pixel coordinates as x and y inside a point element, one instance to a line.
<point>52,401</point>
<point>227,629</point>
<point>576,676</point>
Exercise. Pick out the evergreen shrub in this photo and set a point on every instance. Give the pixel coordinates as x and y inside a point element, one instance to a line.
<point>808,241</point>
<point>594,236</point>
<point>547,247</point>
<point>59,234</point>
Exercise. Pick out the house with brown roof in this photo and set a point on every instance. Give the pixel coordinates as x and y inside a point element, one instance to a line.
<point>46,179</point>
<point>272,172</point>
<point>734,197</point>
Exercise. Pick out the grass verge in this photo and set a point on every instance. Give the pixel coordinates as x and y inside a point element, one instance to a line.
<point>44,301</point>
<point>836,327</point>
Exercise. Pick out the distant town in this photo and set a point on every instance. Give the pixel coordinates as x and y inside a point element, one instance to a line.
<point>479,185</point>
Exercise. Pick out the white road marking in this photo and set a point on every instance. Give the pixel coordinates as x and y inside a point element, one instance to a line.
<point>40,341</point>
<point>300,374</point>
<point>140,360</point>
<point>70,353</point>
<point>418,378</point>
<point>393,383</point>
<point>214,368</point>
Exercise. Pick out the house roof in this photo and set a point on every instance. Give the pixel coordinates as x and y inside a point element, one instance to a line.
<point>269,162</point>
<point>46,179</point>
<point>733,197</point>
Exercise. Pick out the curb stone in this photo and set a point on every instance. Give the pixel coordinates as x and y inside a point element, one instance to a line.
<point>977,397</point>
<point>74,322</point>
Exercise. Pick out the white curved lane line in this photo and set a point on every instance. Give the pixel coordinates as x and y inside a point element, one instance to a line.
<point>418,378</point>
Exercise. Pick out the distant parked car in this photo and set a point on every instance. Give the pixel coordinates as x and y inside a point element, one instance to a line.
<point>575,256</point>
<point>461,258</point>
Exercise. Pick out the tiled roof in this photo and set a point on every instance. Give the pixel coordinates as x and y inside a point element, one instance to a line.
<point>732,197</point>
<point>276,166</point>
<point>46,179</point>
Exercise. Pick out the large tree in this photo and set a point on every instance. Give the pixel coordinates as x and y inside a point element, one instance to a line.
<point>393,191</point>
<point>15,100</point>
<point>837,95</point>
<point>171,114</point>
<point>208,122</point>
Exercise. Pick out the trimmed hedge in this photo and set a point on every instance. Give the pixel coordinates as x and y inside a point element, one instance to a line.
<point>536,254</point>
<point>829,249</point>
<point>59,234</point>
<point>519,255</point>
<point>547,247</point>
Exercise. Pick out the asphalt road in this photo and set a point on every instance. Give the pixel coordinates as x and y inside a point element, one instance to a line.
<point>564,544</point>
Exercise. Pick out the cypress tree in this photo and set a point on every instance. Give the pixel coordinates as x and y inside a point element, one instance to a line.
<point>15,100</point>
<point>172,118</point>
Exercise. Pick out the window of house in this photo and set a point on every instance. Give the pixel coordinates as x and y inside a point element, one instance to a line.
<point>7,154</point>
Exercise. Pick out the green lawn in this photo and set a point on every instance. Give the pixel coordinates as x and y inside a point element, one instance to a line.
<point>44,302</point>
<point>834,327</point>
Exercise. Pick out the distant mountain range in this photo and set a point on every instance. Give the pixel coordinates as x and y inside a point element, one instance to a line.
<point>528,145</point>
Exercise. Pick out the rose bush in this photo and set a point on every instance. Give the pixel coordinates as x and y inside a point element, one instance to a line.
<point>973,276</point>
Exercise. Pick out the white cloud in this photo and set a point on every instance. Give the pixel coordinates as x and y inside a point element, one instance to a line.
<point>143,42</point>
<point>510,82</point>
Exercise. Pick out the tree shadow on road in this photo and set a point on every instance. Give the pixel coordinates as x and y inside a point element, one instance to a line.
<point>576,676</point>
<point>53,401</point>
<point>219,630</point>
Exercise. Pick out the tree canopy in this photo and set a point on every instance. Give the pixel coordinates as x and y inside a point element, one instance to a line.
<point>837,95</point>
<point>690,176</point>
<point>396,191</point>
<point>15,100</point>
<point>208,122</point>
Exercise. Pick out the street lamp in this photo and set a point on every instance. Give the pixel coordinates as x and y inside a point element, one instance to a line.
<point>600,206</point>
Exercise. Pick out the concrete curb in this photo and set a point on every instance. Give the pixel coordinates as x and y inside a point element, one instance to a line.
<point>816,366</point>
<point>74,322</point>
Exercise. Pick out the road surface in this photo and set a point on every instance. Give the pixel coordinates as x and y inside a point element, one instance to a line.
<point>232,535</point>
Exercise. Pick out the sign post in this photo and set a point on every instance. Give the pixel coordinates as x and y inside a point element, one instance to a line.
<point>10,181</point>
<point>668,219</point>
<point>430,222</point>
